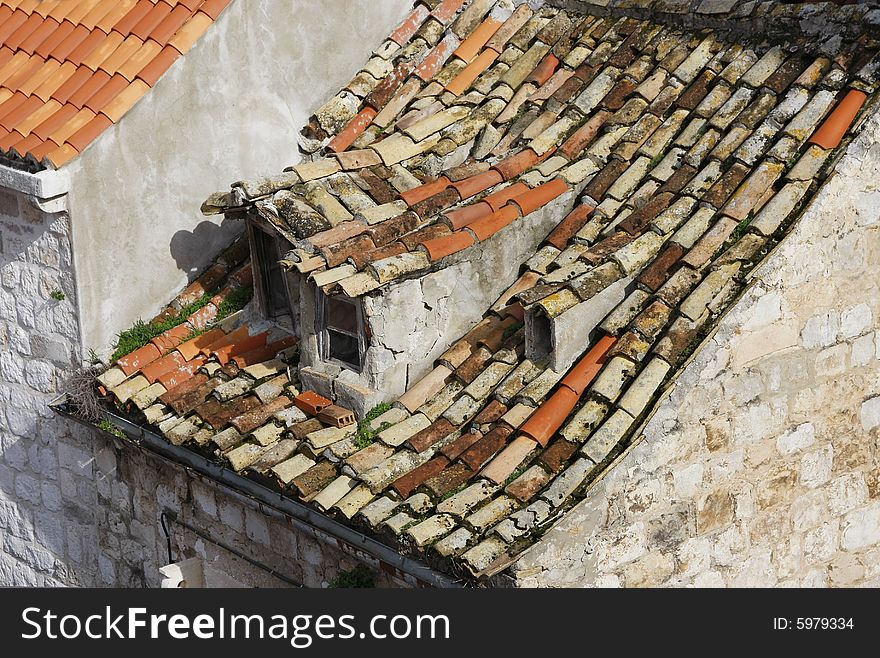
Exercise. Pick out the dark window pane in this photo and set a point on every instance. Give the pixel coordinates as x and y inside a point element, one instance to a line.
<point>271,275</point>
<point>344,348</point>
<point>341,315</point>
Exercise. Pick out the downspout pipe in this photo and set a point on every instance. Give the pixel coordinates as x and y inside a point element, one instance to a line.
<point>305,518</point>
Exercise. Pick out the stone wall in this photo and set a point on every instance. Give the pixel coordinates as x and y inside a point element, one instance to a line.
<point>761,466</point>
<point>41,502</point>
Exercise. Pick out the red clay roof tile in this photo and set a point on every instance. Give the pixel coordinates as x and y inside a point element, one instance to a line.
<point>353,130</point>
<point>212,8</point>
<point>540,196</point>
<point>837,124</point>
<point>46,29</point>
<point>89,132</point>
<point>138,359</point>
<point>182,374</point>
<point>545,422</point>
<point>513,165</point>
<point>426,191</point>
<point>151,20</point>
<point>475,184</point>
<point>412,480</point>
<point>191,348</point>
<point>544,70</point>
<point>471,72</point>
<point>132,17</point>
<point>486,227</point>
<point>410,25</point>
<point>472,46</point>
<point>579,377</point>
<point>106,93</point>
<point>461,217</point>
<point>582,137</point>
<point>445,11</point>
<point>162,62</point>
<point>436,59</point>
<point>24,30</point>
<point>497,200</point>
<point>162,366</point>
<point>573,222</point>
<point>449,244</point>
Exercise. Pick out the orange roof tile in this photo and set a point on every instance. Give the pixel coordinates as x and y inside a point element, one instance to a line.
<point>838,122</point>
<point>471,46</point>
<point>58,57</point>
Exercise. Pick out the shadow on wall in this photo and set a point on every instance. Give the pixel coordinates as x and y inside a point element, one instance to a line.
<point>195,250</point>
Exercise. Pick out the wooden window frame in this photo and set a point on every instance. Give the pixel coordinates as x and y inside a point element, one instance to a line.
<point>324,333</point>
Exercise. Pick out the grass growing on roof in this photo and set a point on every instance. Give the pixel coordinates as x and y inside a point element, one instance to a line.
<point>107,426</point>
<point>142,332</point>
<point>237,300</point>
<point>366,436</point>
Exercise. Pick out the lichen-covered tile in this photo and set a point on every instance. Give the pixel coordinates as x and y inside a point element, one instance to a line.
<point>696,303</point>
<point>804,122</point>
<point>454,543</point>
<point>536,390</point>
<point>267,434</point>
<point>735,70</point>
<point>643,388</point>
<point>324,437</point>
<point>694,228</point>
<point>764,67</point>
<point>753,189</point>
<point>378,510</point>
<point>608,436</point>
<point>590,97</point>
<point>567,482</point>
<point>703,180</point>
<point>710,242</point>
<point>352,502</point>
<point>775,212</point>
<point>696,60</point>
<point>292,468</point>
<point>809,164</point>
<point>368,457</point>
<point>638,253</point>
<point>398,434</point>
<point>623,314</point>
<point>671,218</point>
<point>584,421</point>
<point>614,376</point>
<point>244,455</point>
<point>462,502</point>
<point>398,464</point>
<point>481,556</point>
<point>431,529</point>
<point>399,522</point>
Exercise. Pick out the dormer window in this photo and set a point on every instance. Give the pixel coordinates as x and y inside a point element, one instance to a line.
<point>341,334</point>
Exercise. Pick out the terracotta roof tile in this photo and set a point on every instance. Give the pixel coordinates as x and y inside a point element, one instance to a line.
<point>471,47</point>
<point>71,52</point>
<point>161,63</point>
<point>486,227</point>
<point>444,246</point>
<point>837,124</point>
<point>353,130</point>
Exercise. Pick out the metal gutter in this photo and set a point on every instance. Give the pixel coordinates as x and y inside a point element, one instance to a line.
<point>305,518</point>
